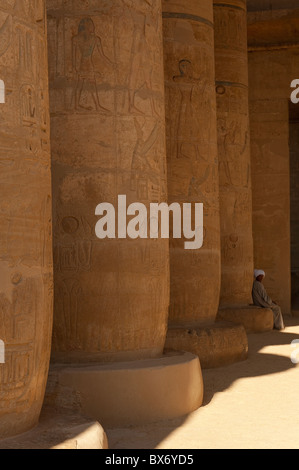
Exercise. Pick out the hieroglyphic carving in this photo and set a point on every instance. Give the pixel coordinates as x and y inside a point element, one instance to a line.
<point>5,34</point>
<point>25,233</point>
<point>140,79</point>
<point>18,318</point>
<point>73,252</point>
<point>191,153</point>
<point>25,50</point>
<point>231,24</point>
<point>142,158</point>
<point>106,76</point>
<point>233,151</point>
<point>84,45</point>
<point>67,299</point>
<point>28,105</point>
<point>186,119</point>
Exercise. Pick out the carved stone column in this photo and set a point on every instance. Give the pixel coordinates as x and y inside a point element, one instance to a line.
<point>25,216</point>
<point>233,152</point>
<point>235,190</point>
<point>108,137</point>
<point>107,118</point>
<point>192,165</point>
<point>192,155</point>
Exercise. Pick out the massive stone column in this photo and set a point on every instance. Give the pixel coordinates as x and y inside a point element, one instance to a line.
<point>107,127</point>
<point>192,165</point>
<point>192,155</point>
<point>108,137</point>
<point>231,71</point>
<point>25,215</point>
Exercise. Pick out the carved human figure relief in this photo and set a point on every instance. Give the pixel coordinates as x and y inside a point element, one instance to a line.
<point>186,127</point>
<point>141,161</point>
<point>140,75</point>
<point>84,46</point>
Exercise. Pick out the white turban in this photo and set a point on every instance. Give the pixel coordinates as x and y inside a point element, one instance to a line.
<point>258,272</point>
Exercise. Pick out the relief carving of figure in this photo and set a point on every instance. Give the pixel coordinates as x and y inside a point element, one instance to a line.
<point>84,44</point>
<point>140,77</point>
<point>186,127</point>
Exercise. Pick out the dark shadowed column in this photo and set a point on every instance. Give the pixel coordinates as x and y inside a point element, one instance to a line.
<point>26,283</point>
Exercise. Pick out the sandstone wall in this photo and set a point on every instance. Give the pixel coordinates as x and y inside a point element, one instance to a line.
<point>272,67</point>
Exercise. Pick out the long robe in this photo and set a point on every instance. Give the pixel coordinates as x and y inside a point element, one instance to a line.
<point>261,299</point>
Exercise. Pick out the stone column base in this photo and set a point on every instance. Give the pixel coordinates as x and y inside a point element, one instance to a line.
<point>128,393</point>
<point>67,430</point>
<point>216,345</point>
<point>254,319</point>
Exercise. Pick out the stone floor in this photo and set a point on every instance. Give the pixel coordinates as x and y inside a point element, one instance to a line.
<point>60,431</point>
<point>252,404</point>
<point>248,405</point>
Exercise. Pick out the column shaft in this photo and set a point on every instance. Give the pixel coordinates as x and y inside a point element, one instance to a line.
<point>25,217</point>
<point>108,137</point>
<point>192,154</point>
<point>234,152</point>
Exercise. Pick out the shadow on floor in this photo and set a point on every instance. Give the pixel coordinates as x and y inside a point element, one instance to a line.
<point>259,363</point>
<point>58,430</point>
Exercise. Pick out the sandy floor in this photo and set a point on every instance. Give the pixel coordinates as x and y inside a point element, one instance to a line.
<point>249,405</point>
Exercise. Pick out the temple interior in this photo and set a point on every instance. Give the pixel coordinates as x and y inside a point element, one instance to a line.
<point>163,101</point>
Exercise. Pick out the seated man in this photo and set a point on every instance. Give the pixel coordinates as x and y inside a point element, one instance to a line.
<point>261,299</point>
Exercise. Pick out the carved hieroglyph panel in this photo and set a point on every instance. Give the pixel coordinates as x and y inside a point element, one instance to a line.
<point>230,21</point>
<point>108,139</point>
<point>192,155</point>
<point>26,285</point>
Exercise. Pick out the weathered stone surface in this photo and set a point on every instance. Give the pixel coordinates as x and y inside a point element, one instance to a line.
<point>108,139</point>
<point>60,430</point>
<point>216,345</point>
<point>128,393</point>
<point>273,64</point>
<point>254,319</point>
<point>26,282</point>
<point>192,164</point>
<point>231,71</point>
<point>271,70</point>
